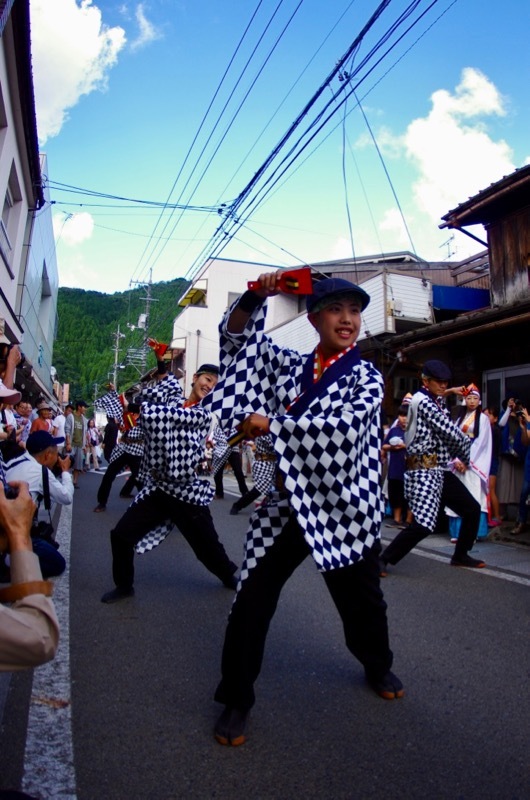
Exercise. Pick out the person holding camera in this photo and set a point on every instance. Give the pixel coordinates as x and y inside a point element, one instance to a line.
<point>29,629</point>
<point>49,479</point>
<point>11,357</point>
<point>511,466</point>
<point>42,451</point>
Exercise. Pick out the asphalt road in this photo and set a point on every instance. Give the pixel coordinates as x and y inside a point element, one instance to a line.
<point>143,674</point>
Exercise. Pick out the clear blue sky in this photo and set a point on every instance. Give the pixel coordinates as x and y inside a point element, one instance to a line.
<point>123,88</point>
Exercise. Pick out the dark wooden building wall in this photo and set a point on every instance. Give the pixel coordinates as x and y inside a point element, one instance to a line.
<point>509,241</point>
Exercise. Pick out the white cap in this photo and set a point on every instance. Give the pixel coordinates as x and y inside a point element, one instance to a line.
<point>9,396</point>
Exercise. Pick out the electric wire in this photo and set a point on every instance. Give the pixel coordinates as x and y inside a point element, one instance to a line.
<point>235,114</point>
<point>216,123</point>
<point>294,153</point>
<point>320,120</point>
<point>219,240</point>
<point>280,185</point>
<point>286,96</point>
<point>345,186</point>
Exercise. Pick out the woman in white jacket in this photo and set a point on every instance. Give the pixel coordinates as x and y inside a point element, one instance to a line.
<point>476,425</point>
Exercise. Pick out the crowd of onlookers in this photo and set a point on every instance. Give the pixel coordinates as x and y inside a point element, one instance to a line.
<point>19,420</point>
<point>499,472</point>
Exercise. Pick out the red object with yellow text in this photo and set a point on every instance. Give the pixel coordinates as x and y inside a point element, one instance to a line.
<point>129,421</point>
<point>293,281</point>
<point>159,348</point>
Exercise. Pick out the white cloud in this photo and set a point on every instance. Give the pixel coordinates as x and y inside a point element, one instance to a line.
<point>392,223</point>
<point>73,229</point>
<point>453,156</point>
<point>73,52</point>
<point>75,272</point>
<point>341,248</point>
<point>451,149</point>
<point>147,31</point>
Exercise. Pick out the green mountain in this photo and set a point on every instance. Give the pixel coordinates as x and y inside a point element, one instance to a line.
<point>83,352</point>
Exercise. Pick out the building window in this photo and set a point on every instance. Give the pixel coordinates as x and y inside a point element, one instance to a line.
<point>501,384</point>
<point>3,121</point>
<point>232,297</point>
<point>10,218</point>
<point>5,244</point>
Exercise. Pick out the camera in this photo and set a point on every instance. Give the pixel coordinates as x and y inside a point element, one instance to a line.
<point>5,350</point>
<point>518,407</point>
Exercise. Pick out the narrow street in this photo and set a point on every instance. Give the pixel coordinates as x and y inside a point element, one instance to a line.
<point>140,710</point>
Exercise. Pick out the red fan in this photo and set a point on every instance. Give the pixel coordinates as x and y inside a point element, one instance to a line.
<point>293,281</point>
<point>158,347</point>
<point>129,422</point>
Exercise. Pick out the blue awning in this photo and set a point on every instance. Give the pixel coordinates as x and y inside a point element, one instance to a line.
<point>458,298</point>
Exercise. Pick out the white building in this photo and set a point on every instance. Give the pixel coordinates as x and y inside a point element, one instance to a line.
<point>394,296</point>
<point>28,269</point>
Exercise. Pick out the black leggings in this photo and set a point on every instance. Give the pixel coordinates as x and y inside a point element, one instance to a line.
<point>194,522</point>
<point>114,469</point>
<point>355,591</point>
<point>456,497</point>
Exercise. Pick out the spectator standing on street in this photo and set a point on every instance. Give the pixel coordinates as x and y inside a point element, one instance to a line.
<point>59,422</point>
<point>44,419</point>
<point>433,440</point>
<point>247,457</point>
<point>22,412</point>
<point>322,412</point>
<point>395,449</point>
<point>92,444</point>
<point>511,466</point>
<point>75,433</point>
<point>492,412</point>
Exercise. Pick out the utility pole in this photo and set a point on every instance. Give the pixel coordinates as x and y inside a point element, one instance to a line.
<point>137,356</point>
<point>117,336</point>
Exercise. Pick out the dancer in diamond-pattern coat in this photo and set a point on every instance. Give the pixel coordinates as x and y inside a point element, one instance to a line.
<point>433,440</point>
<point>172,493</point>
<point>322,413</point>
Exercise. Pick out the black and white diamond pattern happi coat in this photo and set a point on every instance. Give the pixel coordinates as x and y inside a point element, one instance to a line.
<point>174,439</point>
<point>110,404</point>
<point>328,455</point>
<point>430,431</point>
<point>263,468</point>
<point>131,443</point>
<point>221,449</point>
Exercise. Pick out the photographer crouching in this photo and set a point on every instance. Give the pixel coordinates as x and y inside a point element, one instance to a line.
<point>29,630</point>
<point>38,466</point>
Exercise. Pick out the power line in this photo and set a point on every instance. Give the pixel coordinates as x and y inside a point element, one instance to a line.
<point>188,154</point>
<point>235,114</point>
